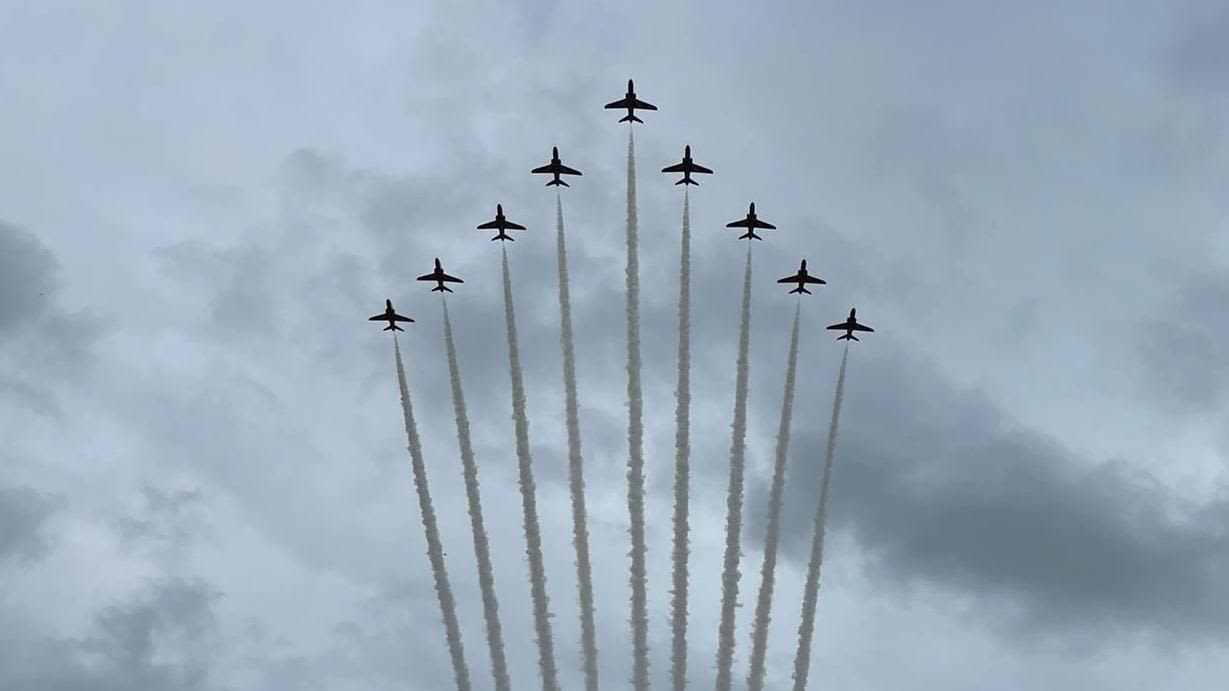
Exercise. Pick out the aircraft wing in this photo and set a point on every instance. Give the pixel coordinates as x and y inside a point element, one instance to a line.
<point>766,226</point>
<point>426,277</point>
<point>789,279</point>
<point>859,327</point>
<point>513,226</point>
<point>676,168</point>
<point>399,318</point>
<point>489,225</point>
<point>621,103</point>
<point>696,168</point>
<point>377,318</point>
<point>543,169</point>
<point>812,279</point>
<point>568,171</point>
<point>742,223</point>
<point>837,327</point>
<point>642,105</point>
<point>450,279</point>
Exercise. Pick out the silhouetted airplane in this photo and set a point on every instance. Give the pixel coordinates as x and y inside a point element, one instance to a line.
<point>556,168</point>
<point>440,278</point>
<point>802,278</point>
<point>391,317</point>
<point>751,222</point>
<point>501,224</point>
<point>631,103</point>
<point>687,167</point>
<point>849,326</point>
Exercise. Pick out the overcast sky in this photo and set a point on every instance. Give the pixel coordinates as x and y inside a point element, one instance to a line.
<point>204,482</point>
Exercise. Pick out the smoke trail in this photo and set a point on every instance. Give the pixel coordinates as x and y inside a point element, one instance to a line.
<point>682,459</point>
<point>802,660</point>
<point>529,502</point>
<point>482,547</point>
<point>576,475</point>
<point>635,439</point>
<point>435,551</point>
<point>763,605</point>
<point>734,500</point>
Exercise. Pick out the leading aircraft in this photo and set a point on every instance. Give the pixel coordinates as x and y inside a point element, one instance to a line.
<point>391,317</point>
<point>556,168</point>
<point>440,278</point>
<point>501,224</point>
<point>802,278</point>
<point>751,222</point>
<point>687,167</point>
<point>631,103</point>
<point>849,326</point>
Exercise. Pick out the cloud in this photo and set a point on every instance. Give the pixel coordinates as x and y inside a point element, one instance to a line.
<point>938,487</point>
<point>23,515</point>
<point>1180,346</point>
<point>1194,57</point>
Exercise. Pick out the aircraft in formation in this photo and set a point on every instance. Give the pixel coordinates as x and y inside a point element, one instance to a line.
<point>631,103</point>
<point>440,278</point>
<point>849,326</point>
<point>556,168</point>
<point>687,167</point>
<point>751,222</point>
<point>802,278</point>
<point>391,317</point>
<point>501,224</point>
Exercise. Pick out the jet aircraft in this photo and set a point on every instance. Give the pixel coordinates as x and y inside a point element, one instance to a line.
<point>802,278</point>
<point>849,326</point>
<point>501,224</point>
<point>751,222</point>
<point>391,317</point>
<point>556,168</point>
<point>687,167</point>
<point>631,103</point>
<point>440,278</point>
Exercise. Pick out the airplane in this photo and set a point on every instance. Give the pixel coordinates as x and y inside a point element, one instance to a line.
<point>849,326</point>
<point>501,224</point>
<point>440,278</point>
<point>391,316</point>
<point>687,167</point>
<point>631,103</point>
<point>801,278</point>
<point>556,168</point>
<point>751,222</point>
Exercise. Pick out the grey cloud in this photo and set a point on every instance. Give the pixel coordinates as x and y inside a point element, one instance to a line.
<point>162,640</point>
<point>1184,369</point>
<point>23,514</point>
<point>937,487</point>
<point>27,277</point>
<point>1196,53</point>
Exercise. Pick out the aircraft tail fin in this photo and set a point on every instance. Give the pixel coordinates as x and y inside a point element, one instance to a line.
<point>630,117</point>
<point>441,289</point>
<point>687,181</point>
<point>501,236</point>
<point>393,327</point>
<point>557,182</point>
<point>750,235</point>
<point>800,289</point>
<point>847,337</point>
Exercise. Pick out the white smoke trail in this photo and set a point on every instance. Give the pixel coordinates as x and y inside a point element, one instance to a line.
<point>435,551</point>
<point>482,547</point>
<point>576,475</point>
<point>529,501</point>
<point>763,605</point>
<point>682,460</point>
<point>734,499</point>
<point>802,660</point>
<point>635,440</point>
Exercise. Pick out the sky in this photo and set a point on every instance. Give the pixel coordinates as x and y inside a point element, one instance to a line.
<point>205,483</point>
